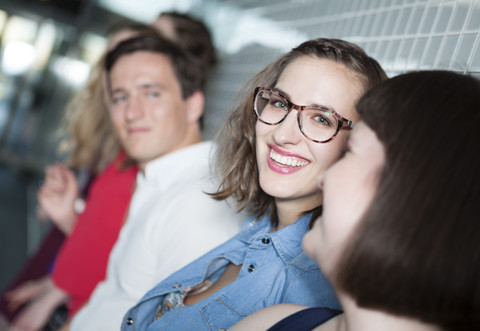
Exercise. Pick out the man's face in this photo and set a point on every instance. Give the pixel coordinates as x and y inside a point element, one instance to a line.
<point>147,110</point>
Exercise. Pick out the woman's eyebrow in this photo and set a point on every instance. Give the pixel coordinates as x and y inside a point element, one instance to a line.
<point>313,105</point>
<point>282,92</point>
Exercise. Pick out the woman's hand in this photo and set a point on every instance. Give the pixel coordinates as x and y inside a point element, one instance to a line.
<point>66,326</point>
<point>41,297</point>
<point>57,196</point>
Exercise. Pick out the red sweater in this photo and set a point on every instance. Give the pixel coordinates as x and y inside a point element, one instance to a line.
<point>82,260</point>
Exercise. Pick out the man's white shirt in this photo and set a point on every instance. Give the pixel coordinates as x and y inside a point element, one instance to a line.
<point>171,222</point>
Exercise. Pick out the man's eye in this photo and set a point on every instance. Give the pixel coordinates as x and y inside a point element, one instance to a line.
<point>116,99</point>
<point>153,94</point>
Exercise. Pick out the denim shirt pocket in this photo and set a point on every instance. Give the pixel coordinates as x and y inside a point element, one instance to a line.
<point>223,312</point>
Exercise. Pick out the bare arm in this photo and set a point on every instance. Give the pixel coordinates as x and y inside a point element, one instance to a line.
<point>266,317</point>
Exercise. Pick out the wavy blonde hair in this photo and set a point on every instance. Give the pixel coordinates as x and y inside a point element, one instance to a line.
<point>89,140</point>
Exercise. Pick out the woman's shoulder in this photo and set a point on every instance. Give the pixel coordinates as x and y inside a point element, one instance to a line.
<point>305,319</point>
<point>267,317</point>
<point>303,262</point>
<point>286,316</point>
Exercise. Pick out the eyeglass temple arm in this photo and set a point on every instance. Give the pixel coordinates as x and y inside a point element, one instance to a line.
<point>345,122</point>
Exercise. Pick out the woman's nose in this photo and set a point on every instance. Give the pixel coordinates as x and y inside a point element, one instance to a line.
<point>288,131</point>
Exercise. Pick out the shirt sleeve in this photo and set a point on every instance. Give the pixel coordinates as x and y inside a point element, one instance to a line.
<point>309,287</point>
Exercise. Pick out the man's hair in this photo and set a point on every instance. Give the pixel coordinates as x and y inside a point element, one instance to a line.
<point>187,69</point>
<point>416,251</point>
<point>236,157</point>
<point>193,36</point>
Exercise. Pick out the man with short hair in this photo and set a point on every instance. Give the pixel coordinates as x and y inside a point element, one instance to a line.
<point>156,103</point>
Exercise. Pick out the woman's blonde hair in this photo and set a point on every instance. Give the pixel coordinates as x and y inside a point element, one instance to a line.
<point>89,140</point>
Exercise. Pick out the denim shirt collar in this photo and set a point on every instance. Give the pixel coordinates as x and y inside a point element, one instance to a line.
<point>287,241</point>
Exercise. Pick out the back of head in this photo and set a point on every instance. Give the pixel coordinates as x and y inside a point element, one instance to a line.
<point>416,252</point>
<point>236,158</point>
<point>187,70</point>
<point>126,29</point>
<point>192,35</point>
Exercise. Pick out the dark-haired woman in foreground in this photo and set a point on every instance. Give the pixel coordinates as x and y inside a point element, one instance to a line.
<point>411,259</point>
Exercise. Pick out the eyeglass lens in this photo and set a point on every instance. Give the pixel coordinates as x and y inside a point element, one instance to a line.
<point>316,124</point>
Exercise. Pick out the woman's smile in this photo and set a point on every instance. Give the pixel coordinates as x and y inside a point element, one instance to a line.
<point>285,162</point>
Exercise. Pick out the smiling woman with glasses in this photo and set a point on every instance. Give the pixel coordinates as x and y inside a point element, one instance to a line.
<point>270,152</point>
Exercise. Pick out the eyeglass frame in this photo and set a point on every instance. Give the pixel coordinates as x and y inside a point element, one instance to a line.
<point>342,121</point>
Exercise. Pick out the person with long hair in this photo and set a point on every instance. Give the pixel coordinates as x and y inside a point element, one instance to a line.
<point>94,170</point>
<point>94,151</point>
<point>290,126</point>
<point>398,238</point>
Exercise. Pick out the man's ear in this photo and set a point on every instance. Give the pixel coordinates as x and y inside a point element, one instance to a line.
<point>195,104</point>
<point>107,88</point>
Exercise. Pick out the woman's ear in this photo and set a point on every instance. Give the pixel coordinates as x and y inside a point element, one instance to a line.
<point>195,105</point>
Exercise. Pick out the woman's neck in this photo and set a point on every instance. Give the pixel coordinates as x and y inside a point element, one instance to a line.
<point>290,210</point>
<point>288,213</point>
<point>286,218</point>
<point>356,318</point>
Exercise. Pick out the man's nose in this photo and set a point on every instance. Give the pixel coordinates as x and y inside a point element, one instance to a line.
<point>134,109</point>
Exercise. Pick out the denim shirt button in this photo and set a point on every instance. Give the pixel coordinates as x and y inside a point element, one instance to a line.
<point>222,329</point>
<point>177,285</point>
<point>129,321</point>
<point>266,241</point>
<point>251,267</point>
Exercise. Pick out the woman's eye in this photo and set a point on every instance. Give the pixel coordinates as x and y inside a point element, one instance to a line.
<point>322,119</point>
<point>278,103</point>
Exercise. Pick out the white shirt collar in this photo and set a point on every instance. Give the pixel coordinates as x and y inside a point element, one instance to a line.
<point>165,170</point>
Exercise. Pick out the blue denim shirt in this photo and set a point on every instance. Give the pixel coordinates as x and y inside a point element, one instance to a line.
<point>274,270</point>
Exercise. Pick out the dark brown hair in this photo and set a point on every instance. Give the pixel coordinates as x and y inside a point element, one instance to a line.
<point>416,252</point>
<point>193,36</point>
<point>236,157</point>
<point>187,69</point>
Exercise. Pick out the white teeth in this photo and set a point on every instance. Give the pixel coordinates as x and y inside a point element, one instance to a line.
<point>286,160</point>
